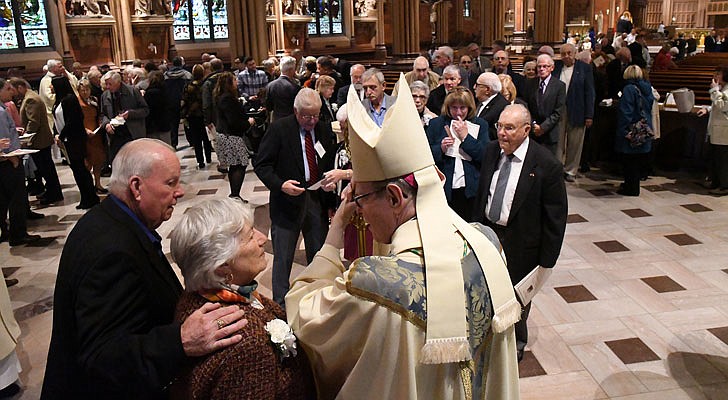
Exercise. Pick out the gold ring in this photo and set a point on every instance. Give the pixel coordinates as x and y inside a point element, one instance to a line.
<point>220,323</point>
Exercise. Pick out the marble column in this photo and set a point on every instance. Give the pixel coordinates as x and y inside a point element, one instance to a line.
<point>65,48</point>
<point>380,44</point>
<point>122,13</point>
<point>405,19</point>
<point>492,20</point>
<point>549,22</point>
<point>247,30</point>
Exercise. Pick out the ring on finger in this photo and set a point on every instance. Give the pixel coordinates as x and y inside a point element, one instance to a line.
<point>220,323</point>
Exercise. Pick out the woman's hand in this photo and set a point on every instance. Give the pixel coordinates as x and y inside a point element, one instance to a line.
<point>89,132</point>
<point>447,141</point>
<point>251,121</point>
<point>702,112</point>
<point>335,176</point>
<point>460,128</point>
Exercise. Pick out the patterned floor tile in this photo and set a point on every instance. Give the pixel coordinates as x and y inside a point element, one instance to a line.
<point>611,246</point>
<point>636,213</point>
<point>529,366</point>
<point>575,219</point>
<point>683,239</point>
<point>575,293</point>
<point>215,177</point>
<point>721,333</point>
<point>662,284</point>
<point>601,192</point>
<point>695,207</point>
<point>204,192</point>
<point>632,350</point>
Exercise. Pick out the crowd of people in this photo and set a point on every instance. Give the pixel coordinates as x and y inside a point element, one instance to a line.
<point>471,134</point>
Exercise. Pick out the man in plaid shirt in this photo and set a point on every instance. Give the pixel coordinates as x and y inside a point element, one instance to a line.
<point>251,80</point>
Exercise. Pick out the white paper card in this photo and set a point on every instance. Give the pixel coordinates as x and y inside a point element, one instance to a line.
<point>454,150</point>
<point>532,284</point>
<point>316,186</point>
<point>319,149</point>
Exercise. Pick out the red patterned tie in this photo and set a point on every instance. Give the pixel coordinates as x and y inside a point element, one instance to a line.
<point>313,172</point>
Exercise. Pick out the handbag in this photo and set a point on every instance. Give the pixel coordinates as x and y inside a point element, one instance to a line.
<point>638,133</point>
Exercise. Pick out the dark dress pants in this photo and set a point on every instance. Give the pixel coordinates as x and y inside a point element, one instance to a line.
<point>719,170</point>
<point>47,170</point>
<point>633,166</point>
<point>460,204</point>
<point>13,200</point>
<point>84,181</point>
<point>314,225</point>
<point>174,126</point>
<point>117,140</point>
<point>197,136</point>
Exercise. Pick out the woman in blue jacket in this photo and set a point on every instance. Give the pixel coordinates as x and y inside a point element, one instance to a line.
<point>635,104</point>
<point>457,139</point>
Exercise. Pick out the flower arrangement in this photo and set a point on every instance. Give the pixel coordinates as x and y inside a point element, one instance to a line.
<point>282,337</point>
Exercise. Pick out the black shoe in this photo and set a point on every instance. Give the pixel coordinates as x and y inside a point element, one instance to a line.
<point>222,170</point>
<point>50,200</point>
<point>106,171</point>
<point>719,191</point>
<point>10,282</point>
<point>569,178</point>
<point>624,192</point>
<point>34,190</point>
<point>519,354</point>
<point>24,240</point>
<point>709,185</point>
<point>82,206</point>
<point>9,391</point>
<point>201,165</point>
<point>34,215</point>
<point>100,190</point>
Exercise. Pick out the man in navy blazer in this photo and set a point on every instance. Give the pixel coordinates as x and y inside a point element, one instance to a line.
<point>579,111</point>
<point>295,153</point>
<point>531,219</point>
<point>546,97</point>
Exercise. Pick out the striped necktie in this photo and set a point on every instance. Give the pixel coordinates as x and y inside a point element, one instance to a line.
<point>313,172</point>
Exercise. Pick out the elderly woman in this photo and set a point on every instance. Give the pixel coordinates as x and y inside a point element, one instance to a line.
<point>95,146</point>
<point>220,253</point>
<point>325,88</point>
<point>420,94</point>
<point>718,131</point>
<point>635,104</point>
<point>457,139</point>
<point>529,69</point>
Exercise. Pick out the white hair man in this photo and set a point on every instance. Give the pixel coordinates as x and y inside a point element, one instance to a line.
<point>125,102</point>
<point>421,72</point>
<point>402,341</point>
<point>546,96</point>
<point>281,93</point>
<point>355,72</point>
<point>490,100</point>
<point>450,79</point>
<point>578,79</point>
<point>295,154</point>
<point>116,285</point>
<point>444,57</point>
<point>54,68</point>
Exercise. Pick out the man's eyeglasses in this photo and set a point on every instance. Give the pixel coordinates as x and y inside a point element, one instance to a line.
<point>308,117</point>
<point>507,127</point>
<point>361,196</point>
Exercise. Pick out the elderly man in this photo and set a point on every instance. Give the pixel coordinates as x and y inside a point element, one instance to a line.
<point>546,97</point>
<point>481,63</point>
<point>281,92</point>
<point>123,113</point>
<point>294,155</point>
<point>490,100</point>
<point>251,80</point>
<point>444,57</point>
<point>114,335</point>
<point>55,68</point>
<point>356,72</point>
<point>450,79</point>
<point>374,328</point>
<point>375,100</point>
<point>615,72</point>
<point>421,72</point>
<point>33,119</point>
<point>502,65</point>
<point>523,198</point>
<point>578,79</point>
<point>13,198</point>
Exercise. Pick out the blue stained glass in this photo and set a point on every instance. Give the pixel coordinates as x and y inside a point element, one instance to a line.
<point>36,38</point>
<point>337,27</point>
<point>32,15</point>
<point>219,12</point>
<point>221,32</point>
<point>8,38</point>
<point>328,15</point>
<point>312,28</point>
<point>181,33</point>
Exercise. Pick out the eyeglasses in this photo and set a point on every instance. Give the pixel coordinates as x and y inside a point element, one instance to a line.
<point>507,127</point>
<point>308,117</point>
<point>419,96</point>
<point>361,196</point>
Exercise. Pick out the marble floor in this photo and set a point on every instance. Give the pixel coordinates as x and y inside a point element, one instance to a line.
<point>637,306</point>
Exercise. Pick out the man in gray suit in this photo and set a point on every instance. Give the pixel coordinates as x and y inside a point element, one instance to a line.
<point>376,102</point>
<point>127,103</point>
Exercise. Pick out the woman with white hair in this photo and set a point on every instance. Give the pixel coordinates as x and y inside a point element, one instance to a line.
<point>220,254</point>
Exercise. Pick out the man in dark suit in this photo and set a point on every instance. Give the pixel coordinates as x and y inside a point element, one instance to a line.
<point>546,96</point>
<point>502,65</point>
<point>124,101</point>
<point>521,195</point>
<point>114,335</point>
<point>356,72</point>
<point>615,72</point>
<point>481,63</point>
<point>295,153</point>
<point>450,79</point>
<point>281,92</point>
<point>579,111</point>
<point>490,101</point>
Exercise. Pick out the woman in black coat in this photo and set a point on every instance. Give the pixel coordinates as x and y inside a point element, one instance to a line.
<point>68,125</point>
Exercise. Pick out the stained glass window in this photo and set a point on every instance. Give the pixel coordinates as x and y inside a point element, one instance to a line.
<point>23,25</point>
<point>327,18</point>
<point>200,20</point>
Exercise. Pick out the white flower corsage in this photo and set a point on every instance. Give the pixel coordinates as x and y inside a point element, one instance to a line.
<point>282,337</point>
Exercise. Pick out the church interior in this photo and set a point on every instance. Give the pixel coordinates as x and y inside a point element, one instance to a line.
<point>637,306</point>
